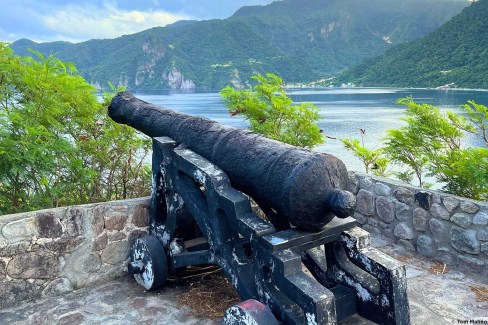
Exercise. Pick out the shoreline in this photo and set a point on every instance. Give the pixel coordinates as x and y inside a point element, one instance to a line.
<point>168,91</point>
<point>294,86</point>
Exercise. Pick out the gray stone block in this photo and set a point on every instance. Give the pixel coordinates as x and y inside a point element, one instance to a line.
<point>19,228</point>
<point>134,234</point>
<point>425,246</point>
<point>353,184</point>
<point>65,245</point>
<point>100,242</point>
<point>420,219</point>
<point>373,222</point>
<point>484,248</point>
<point>403,231</point>
<point>365,203</point>
<point>469,207</point>
<point>58,286</point>
<point>406,244</point>
<point>115,221</point>
<point>140,217</point>
<point>98,221</point>
<point>15,248</point>
<point>71,318</point>
<point>74,221</point>
<point>385,209</point>
<point>36,265</point>
<point>436,198</point>
<point>382,189</point>
<point>482,234</point>
<point>48,225</point>
<point>119,235</point>
<point>360,218</point>
<point>385,225</point>
<point>115,253</point>
<point>465,240</point>
<point>402,211</point>
<point>89,264</point>
<point>481,219</point>
<point>462,219</point>
<point>439,212</point>
<point>404,195</point>
<point>450,203</point>
<point>440,230</point>
<point>3,270</point>
<point>366,183</point>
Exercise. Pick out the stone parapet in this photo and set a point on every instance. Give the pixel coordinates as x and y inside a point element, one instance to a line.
<point>448,228</point>
<point>58,250</point>
<point>54,251</point>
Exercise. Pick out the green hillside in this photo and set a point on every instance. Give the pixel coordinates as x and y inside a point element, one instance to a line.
<point>456,53</point>
<point>300,40</point>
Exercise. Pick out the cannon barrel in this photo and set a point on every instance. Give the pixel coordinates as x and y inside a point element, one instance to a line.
<point>305,187</point>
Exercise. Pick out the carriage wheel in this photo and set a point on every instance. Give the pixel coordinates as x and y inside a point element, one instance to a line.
<point>148,263</point>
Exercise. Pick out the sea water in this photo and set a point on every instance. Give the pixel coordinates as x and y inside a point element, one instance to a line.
<point>344,111</point>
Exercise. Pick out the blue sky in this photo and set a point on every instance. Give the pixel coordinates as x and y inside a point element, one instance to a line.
<point>77,21</point>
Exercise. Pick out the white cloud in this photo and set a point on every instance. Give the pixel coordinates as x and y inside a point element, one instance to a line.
<point>5,36</point>
<point>82,23</point>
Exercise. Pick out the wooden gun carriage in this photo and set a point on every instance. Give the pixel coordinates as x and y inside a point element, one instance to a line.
<point>307,262</point>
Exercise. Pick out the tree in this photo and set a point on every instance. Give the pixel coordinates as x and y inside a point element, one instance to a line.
<point>478,119</point>
<point>273,114</point>
<point>57,146</point>
<point>465,172</point>
<point>418,145</point>
<point>116,155</point>
<point>373,160</point>
<point>431,144</point>
<point>44,103</point>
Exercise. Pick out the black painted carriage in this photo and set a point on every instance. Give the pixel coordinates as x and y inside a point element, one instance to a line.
<point>304,262</point>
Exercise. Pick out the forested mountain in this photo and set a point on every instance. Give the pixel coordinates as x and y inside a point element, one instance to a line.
<point>456,53</point>
<point>300,40</point>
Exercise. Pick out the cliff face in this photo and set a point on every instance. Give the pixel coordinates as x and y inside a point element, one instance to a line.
<point>177,81</point>
<point>146,70</point>
<point>152,70</point>
<point>300,40</point>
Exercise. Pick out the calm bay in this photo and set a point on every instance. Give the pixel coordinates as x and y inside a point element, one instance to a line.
<point>344,111</point>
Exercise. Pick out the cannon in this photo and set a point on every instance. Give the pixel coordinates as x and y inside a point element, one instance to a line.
<point>301,186</point>
<point>304,262</point>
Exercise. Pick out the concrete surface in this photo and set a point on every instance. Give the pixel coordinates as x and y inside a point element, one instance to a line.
<point>446,298</point>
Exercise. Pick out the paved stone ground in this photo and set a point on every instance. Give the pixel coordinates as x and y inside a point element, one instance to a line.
<point>448,298</point>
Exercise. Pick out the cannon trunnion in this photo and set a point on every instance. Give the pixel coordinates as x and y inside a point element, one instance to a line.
<point>319,272</point>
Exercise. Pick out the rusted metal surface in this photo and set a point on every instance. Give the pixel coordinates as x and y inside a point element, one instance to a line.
<point>303,187</point>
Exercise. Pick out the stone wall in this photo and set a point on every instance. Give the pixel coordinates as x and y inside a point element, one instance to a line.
<point>54,251</point>
<point>450,229</point>
<point>58,250</point>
